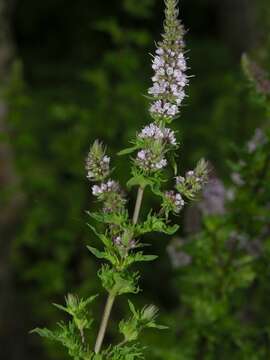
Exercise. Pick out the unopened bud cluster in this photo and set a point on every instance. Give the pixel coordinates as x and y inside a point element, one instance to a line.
<point>172,202</point>
<point>123,245</point>
<point>98,169</point>
<point>191,185</point>
<point>97,163</point>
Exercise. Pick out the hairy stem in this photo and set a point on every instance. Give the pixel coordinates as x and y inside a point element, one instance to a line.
<point>111,298</point>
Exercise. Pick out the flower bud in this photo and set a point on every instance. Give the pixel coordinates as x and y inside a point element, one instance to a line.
<point>97,163</point>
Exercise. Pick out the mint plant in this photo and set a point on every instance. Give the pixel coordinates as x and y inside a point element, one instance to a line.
<point>154,166</point>
<point>221,270</point>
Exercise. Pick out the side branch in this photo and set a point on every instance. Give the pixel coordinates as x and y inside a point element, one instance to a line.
<point>111,298</point>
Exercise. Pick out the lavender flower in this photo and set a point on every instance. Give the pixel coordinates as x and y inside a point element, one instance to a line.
<point>172,202</point>
<point>148,161</point>
<point>169,65</point>
<point>153,131</point>
<point>111,194</point>
<point>193,182</point>
<point>109,186</point>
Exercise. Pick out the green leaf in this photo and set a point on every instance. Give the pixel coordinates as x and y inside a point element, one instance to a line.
<point>141,257</point>
<point>106,241</point>
<point>63,308</point>
<point>96,252</point>
<point>46,333</point>
<point>118,283</point>
<point>127,150</point>
<point>138,180</point>
<point>132,308</point>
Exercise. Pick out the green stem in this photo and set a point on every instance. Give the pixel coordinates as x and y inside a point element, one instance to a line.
<point>111,298</point>
<point>104,322</point>
<point>138,205</point>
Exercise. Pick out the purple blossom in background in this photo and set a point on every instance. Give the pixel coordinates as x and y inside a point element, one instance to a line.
<point>237,179</point>
<point>213,198</point>
<point>177,256</point>
<point>258,139</point>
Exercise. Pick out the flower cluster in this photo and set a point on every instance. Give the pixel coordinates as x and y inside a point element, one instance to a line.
<point>153,131</point>
<point>109,186</point>
<point>97,163</point>
<point>169,64</point>
<point>154,141</point>
<point>124,245</point>
<point>172,202</point>
<point>149,161</point>
<point>193,182</point>
<point>98,169</point>
<point>111,194</point>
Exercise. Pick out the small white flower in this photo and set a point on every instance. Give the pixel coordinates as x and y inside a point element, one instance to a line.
<point>141,155</point>
<point>106,159</point>
<point>169,71</point>
<point>180,180</point>
<point>158,62</point>
<point>169,80</point>
<point>175,200</point>
<point>161,164</point>
<point>160,51</point>
<point>117,241</point>
<point>161,71</point>
<point>179,202</point>
<point>237,179</point>
<point>157,107</point>
<point>96,190</point>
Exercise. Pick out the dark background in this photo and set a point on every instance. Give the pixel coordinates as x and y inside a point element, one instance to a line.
<point>73,71</point>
